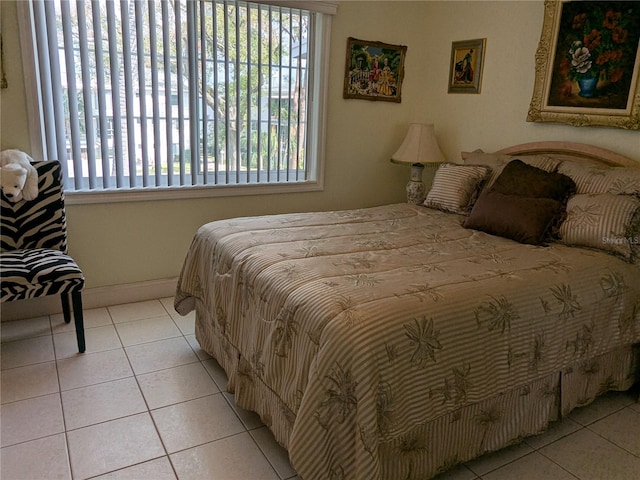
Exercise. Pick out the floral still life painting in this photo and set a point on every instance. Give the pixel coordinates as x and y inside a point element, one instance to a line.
<point>595,54</point>
<point>592,65</point>
<point>374,70</point>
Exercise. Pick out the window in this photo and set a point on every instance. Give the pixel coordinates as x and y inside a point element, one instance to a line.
<point>171,95</point>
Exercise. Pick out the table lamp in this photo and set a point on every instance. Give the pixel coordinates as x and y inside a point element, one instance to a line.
<point>419,148</point>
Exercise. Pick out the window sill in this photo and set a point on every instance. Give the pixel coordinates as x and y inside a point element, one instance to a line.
<point>177,193</point>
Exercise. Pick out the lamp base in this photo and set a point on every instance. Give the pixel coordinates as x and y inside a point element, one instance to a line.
<point>416,191</point>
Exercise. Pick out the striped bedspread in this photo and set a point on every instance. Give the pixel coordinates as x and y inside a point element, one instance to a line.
<point>349,331</point>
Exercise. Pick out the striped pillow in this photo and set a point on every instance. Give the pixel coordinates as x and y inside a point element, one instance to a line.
<point>455,187</point>
<point>497,162</point>
<point>604,221</point>
<point>598,179</point>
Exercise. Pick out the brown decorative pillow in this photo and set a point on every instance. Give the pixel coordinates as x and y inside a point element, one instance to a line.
<point>518,178</point>
<point>524,204</point>
<point>523,219</point>
<point>455,187</point>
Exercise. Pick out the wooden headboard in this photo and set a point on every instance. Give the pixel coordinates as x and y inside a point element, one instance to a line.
<point>571,151</point>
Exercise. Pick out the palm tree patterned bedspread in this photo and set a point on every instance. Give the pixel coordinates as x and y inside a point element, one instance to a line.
<point>367,323</point>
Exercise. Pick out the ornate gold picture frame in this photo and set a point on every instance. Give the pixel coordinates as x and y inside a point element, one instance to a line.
<point>587,65</point>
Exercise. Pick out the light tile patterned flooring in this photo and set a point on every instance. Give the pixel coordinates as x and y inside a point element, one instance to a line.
<point>145,402</point>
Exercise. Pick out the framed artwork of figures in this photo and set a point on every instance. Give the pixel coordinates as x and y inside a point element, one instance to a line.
<point>374,70</point>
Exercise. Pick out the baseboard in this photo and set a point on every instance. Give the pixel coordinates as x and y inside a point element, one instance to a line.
<point>91,298</point>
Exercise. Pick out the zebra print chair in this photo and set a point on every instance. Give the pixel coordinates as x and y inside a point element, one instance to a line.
<point>33,259</point>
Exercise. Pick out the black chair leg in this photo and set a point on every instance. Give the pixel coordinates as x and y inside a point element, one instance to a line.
<point>76,297</point>
<point>77,315</point>
<point>66,307</point>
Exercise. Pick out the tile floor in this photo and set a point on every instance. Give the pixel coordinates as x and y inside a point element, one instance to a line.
<point>145,402</point>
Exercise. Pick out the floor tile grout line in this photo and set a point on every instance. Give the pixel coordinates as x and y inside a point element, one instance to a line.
<point>129,466</point>
<point>201,444</point>
<point>135,376</point>
<point>538,450</point>
<point>264,453</point>
<point>584,427</point>
<point>226,437</point>
<point>103,422</point>
<point>29,337</point>
<point>32,397</point>
<point>149,410</point>
<point>151,317</point>
<point>66,433</point>
<point>481,476</point>
<point>23,442</point>
<point>245,427</point>
<point>609,440</point>
<point>64,418</point>
<point>152,341</point>
<point>27,365</point>
<point>580,426</point>
<point>50,332</point>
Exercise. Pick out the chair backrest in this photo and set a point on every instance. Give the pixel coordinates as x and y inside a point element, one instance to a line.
<point>39,223</point>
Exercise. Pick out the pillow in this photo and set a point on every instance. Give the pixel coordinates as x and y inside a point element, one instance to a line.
<point>591,178</point>
<point>455,187</point>
<point>478,157</point>
<point>497,162</point>
<point>523,219</point>
<point>518,178</point>
<point>524,204</point>
<point>604,221</point>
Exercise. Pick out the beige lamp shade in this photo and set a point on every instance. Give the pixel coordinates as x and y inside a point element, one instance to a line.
<point>419,146</point>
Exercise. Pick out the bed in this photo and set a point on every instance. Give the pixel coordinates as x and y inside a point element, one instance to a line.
<point>394,342</point>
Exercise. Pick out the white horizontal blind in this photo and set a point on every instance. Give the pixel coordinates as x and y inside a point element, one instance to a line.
<point>158,94</point>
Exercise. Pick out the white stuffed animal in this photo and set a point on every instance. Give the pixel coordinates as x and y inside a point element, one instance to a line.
<point>18,178</point>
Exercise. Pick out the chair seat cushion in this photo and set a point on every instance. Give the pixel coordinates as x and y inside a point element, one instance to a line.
<point>37,273</point>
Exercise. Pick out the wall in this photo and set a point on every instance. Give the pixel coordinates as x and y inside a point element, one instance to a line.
<point>140,241</point>
<point>14,129</point>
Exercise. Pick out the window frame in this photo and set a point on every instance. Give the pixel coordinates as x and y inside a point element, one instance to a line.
<point>318,95</point>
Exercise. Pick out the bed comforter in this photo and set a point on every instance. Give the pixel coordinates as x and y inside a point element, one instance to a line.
<point>363,337</point>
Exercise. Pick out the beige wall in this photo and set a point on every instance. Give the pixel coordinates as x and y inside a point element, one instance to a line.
<point>133,242</point>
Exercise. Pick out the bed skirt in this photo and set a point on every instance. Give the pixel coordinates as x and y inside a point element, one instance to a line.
<point>461,435</point>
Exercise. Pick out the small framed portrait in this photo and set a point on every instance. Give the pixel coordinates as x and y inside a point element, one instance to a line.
<point>374,70</point>
<point>465,71</point>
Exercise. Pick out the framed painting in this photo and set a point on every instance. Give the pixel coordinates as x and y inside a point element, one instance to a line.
<point>374,70</point>
<point>465,71</point>
<point>587,65</point>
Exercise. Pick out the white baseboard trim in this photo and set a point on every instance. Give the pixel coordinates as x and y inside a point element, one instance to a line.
<point>91,298</point>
